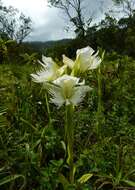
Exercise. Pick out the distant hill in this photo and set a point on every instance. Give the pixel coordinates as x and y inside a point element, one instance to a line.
<point>39,45</point>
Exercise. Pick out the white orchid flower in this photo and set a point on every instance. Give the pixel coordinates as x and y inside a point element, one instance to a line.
<point>85,60</point>
<point>49,72</point>
<point>68,90</point>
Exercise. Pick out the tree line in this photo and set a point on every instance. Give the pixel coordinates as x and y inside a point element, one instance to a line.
<point>113,33</point>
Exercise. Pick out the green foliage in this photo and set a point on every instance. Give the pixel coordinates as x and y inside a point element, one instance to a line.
<point>29,59</point>
<point>32,155</point>
<point>4,44</point>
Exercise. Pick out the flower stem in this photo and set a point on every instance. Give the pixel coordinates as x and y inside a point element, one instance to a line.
<point>99,101</point>
<point>48,109</point>
<point>69,132</point>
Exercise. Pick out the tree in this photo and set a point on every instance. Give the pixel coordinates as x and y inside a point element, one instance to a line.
<point>13,24</point>
<point>74,11</point>
<point>4,49</point>
<point>24,28</point>
<point>126,6</point>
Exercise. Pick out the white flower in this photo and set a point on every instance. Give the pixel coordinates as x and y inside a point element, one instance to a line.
<point>85,60</point>
<point>49,72</point>
<point>68,90</point>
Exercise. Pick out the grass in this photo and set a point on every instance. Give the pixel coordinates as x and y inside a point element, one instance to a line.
<point>32,154</point>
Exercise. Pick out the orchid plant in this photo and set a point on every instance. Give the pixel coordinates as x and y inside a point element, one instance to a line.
<point>68,89</point>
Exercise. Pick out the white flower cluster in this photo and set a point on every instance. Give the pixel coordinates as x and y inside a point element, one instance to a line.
<point>66,88</point>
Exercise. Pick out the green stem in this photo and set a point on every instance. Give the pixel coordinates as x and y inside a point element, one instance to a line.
<point>69,133</point>
<point>99,111</point>
<point>48,109</point>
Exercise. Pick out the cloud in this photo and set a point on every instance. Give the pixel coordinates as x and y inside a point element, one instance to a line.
<point>51,27</point>
<point>49,23</point>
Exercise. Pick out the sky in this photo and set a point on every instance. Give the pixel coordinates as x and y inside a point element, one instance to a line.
<point>50,23</point>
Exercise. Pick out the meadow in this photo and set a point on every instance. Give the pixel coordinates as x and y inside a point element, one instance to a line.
<point>33,152</point>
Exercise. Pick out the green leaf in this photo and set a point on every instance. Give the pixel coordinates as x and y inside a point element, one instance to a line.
<point>74,169</point>
<point>64,181</point>
<point>8,179</point>
<point>9,41</point>
<point>63,145</point>
<point>104,183</point>
<point>28,123</point>
<point>128,182</point>
<point>130,173</point>
<point>85,178</point>
<point>1,169</point>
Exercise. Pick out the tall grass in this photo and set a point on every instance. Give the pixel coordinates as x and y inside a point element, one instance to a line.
<point>32,155</point>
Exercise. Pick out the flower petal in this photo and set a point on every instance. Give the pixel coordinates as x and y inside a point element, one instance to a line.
<point>79,94</point>
<point>48,61</point>
<point>85,52</point>
<point>95,62</point>
<point>67,61</point>
<point>59,81</point>
<point>61,70</point>
<point>56,96</point>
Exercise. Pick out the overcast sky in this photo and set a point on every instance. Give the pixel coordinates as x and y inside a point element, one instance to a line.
<point>50,23</point>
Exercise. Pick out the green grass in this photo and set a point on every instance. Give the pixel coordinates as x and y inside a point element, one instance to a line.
<point>32,154</point>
